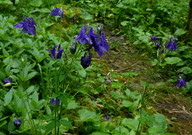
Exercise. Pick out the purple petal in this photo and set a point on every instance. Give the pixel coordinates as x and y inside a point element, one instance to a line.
<point>19,25</point>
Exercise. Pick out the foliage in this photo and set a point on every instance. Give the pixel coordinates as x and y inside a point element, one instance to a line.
<point>84,102</point>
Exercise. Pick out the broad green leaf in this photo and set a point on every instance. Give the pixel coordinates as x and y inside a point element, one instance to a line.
<point>6,2</point>
<point>172,60</point>
<point>30,75</point>
<point>66,123</point>
<point>36,3</point>
<point>72,105</point>
<point>116,85</point>
<point>82,73</point>
<point>130,123</point>
<point>179,32</point>
<point>124,23</point>
<point>86,115</point>
<point>8,97</point>
<point>99,133</point>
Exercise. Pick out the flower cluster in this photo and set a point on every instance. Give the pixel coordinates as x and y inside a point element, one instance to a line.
<point>171,45</point>
<point>28,24</point>
<point>98,42</point>
<point>87,36</point>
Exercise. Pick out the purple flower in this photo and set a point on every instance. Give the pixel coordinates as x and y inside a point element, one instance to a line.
<point>107,117</point>
<point>100,44</point>
<point>57,11</point>
<point>171,45</point>
<point>8,82</point>
<point>56,52</point>
<point>53,101</point>
<point>181,82</point>
<point>27,26</point>
<point>17,123</point>
<point>87,36</point>
<point>85,61</point>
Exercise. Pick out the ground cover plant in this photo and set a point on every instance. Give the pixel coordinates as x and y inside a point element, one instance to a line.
<point>95,67</point>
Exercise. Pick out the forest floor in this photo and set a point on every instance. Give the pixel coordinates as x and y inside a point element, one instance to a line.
<point>164,97</point>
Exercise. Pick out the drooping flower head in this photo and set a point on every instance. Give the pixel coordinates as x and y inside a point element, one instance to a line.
<point>86,60</point>
<point>8,82</point>
<point>53,101</point>
<point>57,11</point>
<point>73,47</point>
<point>87,36</point>
<point>17,123</point>
<point>171,45</point>
<point>100,44</point>
<point>156,40</point>
<point>181,82</point>
<point>56,52</point>
<point>27,26</point>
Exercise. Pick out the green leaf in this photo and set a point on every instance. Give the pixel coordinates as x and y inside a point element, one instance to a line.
<point>72,105</point>
<point>30,90</point>
<point>30,75</point>
<point>86,115</point>
<point>130,123</point>
<point>179,32</point>
<point>172,60</point>
<point>66,123</point>
<point>130,74</point>
<point>124,23</point>
<point>116,85</point>
<point>36,3</point>
<point>6,2</point>
<point>99,133</point>
<point>8,97</point>
<point>82,73</point>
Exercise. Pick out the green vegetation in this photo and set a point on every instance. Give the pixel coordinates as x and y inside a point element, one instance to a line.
<point>95,67</point>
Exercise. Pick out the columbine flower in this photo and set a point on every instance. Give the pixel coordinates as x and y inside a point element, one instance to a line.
<point>85,61</point>
<point>53,101</point>
<point>17,123</point>
<point>171,45</point>
<point>181,82</point>
<point>27,26</point>
<point>8,82</point>
<point>73,48</point>
<point>57,11</point>
<point>56,52</point>
<point>100,45</point>
<point>156,40</point>
<point>87,36</point>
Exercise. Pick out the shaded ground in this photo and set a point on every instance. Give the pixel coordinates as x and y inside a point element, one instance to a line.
<point>165,98</point>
